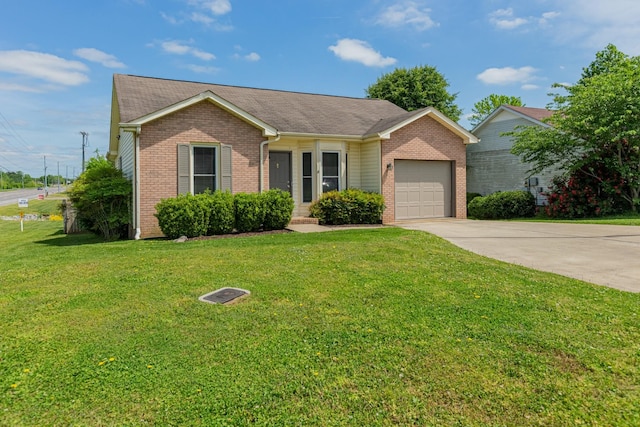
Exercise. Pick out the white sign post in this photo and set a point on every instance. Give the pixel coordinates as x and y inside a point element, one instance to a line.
<point>22,203</point>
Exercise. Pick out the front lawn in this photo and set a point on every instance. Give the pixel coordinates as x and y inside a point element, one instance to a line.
<point>622,219</point>
<point>357,327</point>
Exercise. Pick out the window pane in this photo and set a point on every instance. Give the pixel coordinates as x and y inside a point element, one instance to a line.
<point>204,160</point>
<point>306,164</point>
<point>330,165</point>
<point>307,190</point>
<point>329,184</point>
<point>202,183</point>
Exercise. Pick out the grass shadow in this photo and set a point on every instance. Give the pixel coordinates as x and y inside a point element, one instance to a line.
<point>77,239</point>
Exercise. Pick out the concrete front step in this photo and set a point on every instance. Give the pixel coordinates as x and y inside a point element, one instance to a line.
<point>303,220</point>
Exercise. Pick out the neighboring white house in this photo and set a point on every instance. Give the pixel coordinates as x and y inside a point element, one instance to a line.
<point>490,165</point>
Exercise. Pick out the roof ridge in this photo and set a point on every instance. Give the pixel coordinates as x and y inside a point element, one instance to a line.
<point>252,88</point>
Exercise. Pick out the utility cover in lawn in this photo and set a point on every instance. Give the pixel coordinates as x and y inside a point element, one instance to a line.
<point>223,296</point>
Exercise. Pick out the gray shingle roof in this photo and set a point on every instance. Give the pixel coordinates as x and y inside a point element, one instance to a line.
<point>289,112</point>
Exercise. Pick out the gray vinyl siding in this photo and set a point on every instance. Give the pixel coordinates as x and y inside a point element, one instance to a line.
<point>370,166</point>
<point>491,167</point>
<point>125,154</point>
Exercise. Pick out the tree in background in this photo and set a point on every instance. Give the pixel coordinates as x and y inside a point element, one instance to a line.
<point>416,88</point>
<point>486,106</point>
<point>596,123</point>
<point>101,196</point>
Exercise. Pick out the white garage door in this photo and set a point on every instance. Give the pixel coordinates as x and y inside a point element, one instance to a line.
<point>422,189</point>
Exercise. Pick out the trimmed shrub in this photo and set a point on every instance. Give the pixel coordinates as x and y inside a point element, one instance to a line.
<point>503,205</point>
<point>185,215</point>
<point>278,208</point>
<point>351,206</point>
<point>471,196</point>
<point>249,212</point>
<point>221,213</point>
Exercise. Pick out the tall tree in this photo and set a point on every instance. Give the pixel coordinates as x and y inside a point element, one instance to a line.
<point>486,106</point>
<point>596,122</point>
<point>416,88</point>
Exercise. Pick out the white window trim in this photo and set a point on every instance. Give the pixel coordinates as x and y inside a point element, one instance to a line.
<point>192,175</point>
<point>340,168</point>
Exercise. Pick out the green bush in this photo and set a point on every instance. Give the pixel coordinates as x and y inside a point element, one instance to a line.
<point>221,213</point>
<point>249,212</point>
<point>349,206</point>
<point>278,208</point>
<point>471,196</point>
<point>185,215</point>
<point>503,205</point>
<point>102,198</point>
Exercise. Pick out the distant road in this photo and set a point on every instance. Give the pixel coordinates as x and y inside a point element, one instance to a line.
<point>10,197</point>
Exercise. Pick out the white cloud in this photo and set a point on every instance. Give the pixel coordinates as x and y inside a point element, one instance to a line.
<point>178,48</point>
<point>217,7</point>
<point>406,13</point>
<point>507,75</point>
<point>207,13</point>
<point>13,87</point>
<point>504,19</point>
<point>548,16</point>
<point>360,51</point>
<point>202,18</point>
<point>253,57</point>
<point>95,55</point>
<point>202,69</point>
<point>43,66</point>
<point>529,86</point>
<point>593,24</point>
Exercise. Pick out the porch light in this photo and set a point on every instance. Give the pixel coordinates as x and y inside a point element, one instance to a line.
<point>389,166</point>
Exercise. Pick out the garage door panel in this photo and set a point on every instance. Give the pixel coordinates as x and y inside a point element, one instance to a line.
<point>422,189</point>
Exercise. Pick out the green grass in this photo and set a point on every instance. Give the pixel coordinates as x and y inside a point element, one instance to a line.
<point>623,219</point>
<point>355,327</point>
<point>47,206</point>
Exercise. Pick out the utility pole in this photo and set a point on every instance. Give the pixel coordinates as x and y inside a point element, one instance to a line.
<point>45,175</point>
<point>85,143</point>
<point>58,177</point>
<point>66,176</point>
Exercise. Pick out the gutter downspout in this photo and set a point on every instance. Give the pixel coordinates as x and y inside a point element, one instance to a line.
<point>262,144</point>
<point>136,183</point>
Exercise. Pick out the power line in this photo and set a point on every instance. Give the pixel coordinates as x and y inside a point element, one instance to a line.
<point>11,130</point>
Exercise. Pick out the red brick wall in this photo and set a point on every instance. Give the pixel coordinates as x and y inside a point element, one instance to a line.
<point>424,139</point>
<point>202,122</point>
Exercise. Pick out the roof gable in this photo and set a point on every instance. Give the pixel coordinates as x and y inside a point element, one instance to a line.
<point>534,115</point>
<point>384,128</point>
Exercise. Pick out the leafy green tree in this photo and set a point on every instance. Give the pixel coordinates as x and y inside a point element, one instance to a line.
<point>606,60</point>
<point>486,106</point>
<point>416,88</point>
<point>596,122</point>
<point>101,196</point>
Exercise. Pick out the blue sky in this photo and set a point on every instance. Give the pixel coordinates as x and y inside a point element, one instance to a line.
<point>57,58</point>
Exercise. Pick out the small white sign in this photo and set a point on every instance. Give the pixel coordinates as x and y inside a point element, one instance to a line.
<point>23,203</point>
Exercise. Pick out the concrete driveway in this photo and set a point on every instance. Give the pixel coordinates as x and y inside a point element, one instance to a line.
<point>606,255</point>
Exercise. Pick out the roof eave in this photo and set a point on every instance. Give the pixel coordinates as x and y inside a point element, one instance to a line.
<point>267,130</point>
<point>506,108</point>
<point>467,137</point>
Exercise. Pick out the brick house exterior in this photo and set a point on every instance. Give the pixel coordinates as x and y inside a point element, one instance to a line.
<point>163,132</point>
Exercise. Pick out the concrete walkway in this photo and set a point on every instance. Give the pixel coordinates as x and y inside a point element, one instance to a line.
<point>606,255</point>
